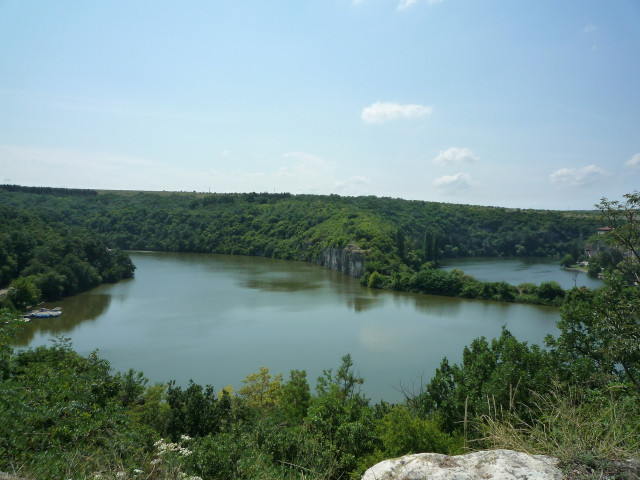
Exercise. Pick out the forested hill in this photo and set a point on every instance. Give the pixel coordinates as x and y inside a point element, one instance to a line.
<point>45,260</point>
<point>398,236</point>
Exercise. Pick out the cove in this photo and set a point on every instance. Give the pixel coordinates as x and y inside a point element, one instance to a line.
<point>216,318</point>
<point>520,270</point>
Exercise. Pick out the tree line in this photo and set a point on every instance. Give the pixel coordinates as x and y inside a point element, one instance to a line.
<point>45,260</point>
<point>403,240</point>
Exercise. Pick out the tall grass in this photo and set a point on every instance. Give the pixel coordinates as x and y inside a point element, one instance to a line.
<point>586,430</point>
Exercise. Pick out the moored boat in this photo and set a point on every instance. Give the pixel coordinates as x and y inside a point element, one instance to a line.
<point>46,313</point>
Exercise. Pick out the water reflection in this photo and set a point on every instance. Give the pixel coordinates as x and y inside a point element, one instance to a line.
<point>361,304</point>
<point>280,285</point>
<point>85,307</point>
<point>216,319</point>
<point>380,338</point>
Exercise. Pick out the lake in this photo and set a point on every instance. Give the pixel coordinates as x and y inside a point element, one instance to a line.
<point>519,270</point>
<point>215,319</point>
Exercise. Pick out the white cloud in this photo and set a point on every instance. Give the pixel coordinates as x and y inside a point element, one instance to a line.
<point>453,182</point>
<point>589,29</point>
<point>455,155</point>
<point>381,112</point>
<point>577,176</point>
<point>633,162</point>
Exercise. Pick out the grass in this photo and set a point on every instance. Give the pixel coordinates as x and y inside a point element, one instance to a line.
<point>594,434</point>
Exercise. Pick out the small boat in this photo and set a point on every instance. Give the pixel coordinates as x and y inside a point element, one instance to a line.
<point>46,313</point>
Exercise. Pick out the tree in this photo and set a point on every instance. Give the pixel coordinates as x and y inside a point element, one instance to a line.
<point>550,291</point>
<point>23,293</point>
<point>193,411</point>
<point>600,330</point>
<point>344,383</point>
<point>504,370</point>
<point>8,323</point>
<point>375,280</point>
<point>402,433</point>
<point>296,395</point>
<point>594,269</point>
<point>624,221</point>
<point>262,390</point>
<point>340,418</point>
<point>567,260</point>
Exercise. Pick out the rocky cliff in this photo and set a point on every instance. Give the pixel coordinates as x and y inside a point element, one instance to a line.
<point>493,464</point>
<point>348,260</point>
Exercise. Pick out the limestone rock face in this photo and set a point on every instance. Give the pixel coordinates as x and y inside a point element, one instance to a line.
<point>349,260</point>
<point>490,464</point>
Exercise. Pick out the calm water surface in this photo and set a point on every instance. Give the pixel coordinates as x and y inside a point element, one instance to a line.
<point>519,270</point>
<point>215,319</point>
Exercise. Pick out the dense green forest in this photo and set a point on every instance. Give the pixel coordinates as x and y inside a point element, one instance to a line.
<point>48,260</point>
<point>402,240</point>
<point>63,415</point>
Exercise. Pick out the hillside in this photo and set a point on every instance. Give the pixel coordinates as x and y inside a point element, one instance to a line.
<point>401,240</point>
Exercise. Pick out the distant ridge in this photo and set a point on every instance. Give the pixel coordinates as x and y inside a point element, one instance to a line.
<point>58,191</point>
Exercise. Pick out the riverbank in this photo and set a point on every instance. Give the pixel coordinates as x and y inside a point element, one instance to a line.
<point>575,269</point>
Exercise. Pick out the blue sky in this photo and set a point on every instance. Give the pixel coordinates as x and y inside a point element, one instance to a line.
<point>530,104</point>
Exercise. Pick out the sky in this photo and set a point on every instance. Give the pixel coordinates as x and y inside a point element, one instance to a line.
<point>527,104</point>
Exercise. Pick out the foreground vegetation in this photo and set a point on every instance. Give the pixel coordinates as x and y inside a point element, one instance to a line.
<point>402,240</point>
<point>67,416</point>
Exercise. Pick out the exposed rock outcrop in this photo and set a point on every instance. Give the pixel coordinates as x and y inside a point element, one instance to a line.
<point>490,464</point>
<point>348,260</point>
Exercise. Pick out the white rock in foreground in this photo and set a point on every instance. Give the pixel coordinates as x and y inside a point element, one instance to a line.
<point>489,464</point>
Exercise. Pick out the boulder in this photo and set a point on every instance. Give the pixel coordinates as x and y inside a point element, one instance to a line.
<point>489,464</point>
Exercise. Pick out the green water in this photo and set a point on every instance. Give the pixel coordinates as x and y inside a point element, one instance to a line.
<point>215,319</point>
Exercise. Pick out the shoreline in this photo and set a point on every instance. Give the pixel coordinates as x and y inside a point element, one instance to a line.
<point>575,269</point>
